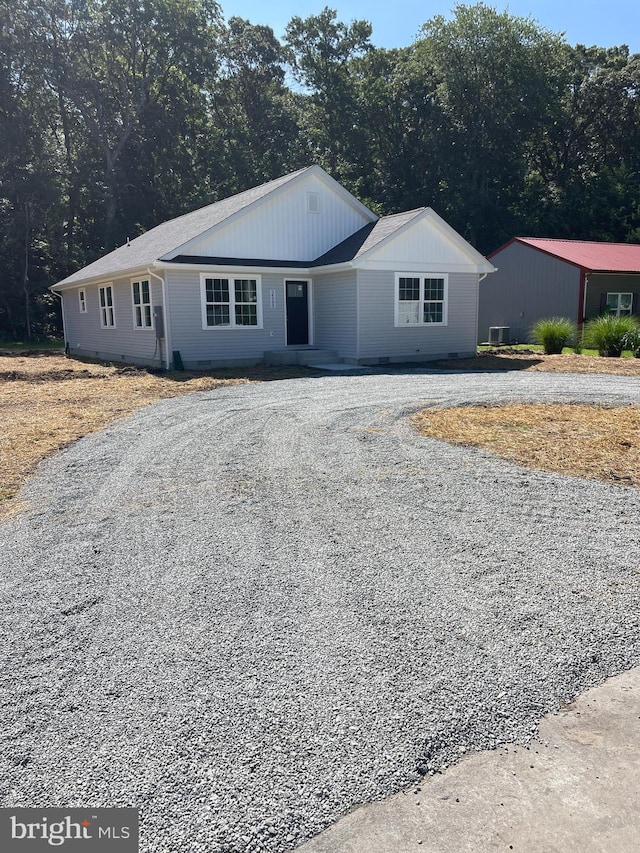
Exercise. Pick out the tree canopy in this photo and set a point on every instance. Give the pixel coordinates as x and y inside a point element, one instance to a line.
<point>116,115</point>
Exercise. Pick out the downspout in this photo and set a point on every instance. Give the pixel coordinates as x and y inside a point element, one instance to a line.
<point>167,345</point>
<point>481,277</point>
<point>584,281</point>
<point>64,325</point>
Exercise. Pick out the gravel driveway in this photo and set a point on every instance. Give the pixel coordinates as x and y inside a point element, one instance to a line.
<point>247,610</point>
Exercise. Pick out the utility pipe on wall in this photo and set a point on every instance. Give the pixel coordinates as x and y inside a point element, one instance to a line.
<point>166,315</point>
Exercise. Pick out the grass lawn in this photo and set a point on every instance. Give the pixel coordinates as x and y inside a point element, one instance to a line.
<point>48,401</point>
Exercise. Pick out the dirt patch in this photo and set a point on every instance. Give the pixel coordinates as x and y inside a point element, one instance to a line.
<point>48,401</point>
<point>596,442</point>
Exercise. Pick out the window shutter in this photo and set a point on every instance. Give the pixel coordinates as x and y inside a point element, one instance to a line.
<point>603,302</point>
<point>634,304</point>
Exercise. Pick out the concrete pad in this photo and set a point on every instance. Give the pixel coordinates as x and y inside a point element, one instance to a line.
<point>576,789</point>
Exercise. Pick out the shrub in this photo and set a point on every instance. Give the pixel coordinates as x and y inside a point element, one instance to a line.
<point>608,334</point>
<point>553,333</point>
<point>632,341</point>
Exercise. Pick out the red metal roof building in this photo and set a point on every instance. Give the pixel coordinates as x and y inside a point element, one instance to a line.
<point>541,277</point>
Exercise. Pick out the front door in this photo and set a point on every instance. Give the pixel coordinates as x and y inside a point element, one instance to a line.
<point>297,312</point>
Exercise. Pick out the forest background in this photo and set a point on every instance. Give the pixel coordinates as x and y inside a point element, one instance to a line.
<point>116,115</point>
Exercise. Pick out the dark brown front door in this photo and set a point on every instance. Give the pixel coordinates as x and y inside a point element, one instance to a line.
<point>297,312</point>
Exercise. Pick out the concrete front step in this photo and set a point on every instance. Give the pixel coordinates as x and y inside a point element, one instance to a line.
<point>307,355</point>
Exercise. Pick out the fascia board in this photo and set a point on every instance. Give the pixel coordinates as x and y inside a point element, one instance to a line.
<point>167,265</point>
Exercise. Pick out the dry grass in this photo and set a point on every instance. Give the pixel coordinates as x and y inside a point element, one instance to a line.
<point>48,401</point>
<point>596,442</point>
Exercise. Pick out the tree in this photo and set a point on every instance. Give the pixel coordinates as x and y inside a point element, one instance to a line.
<point>323,49</point>
<point>498,77</point>
<point>112,61</point>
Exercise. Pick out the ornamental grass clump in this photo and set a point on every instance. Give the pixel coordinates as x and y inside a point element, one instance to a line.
<point>554,333</point>
<point>609,334</point>
<point>632,341</point>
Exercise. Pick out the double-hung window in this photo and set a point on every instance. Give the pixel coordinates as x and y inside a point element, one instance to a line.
<point>141,295</point>
<point>421,299</point>
<point>230,302</point>
<point>82,299</point>
<point>107,315</point>
<point>620,304</point>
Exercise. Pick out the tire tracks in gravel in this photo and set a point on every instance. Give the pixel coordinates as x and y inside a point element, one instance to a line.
<point>281,602</point>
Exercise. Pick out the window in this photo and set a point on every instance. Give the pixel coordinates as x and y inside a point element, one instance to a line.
<point>82,299</point>
<point>421,299</point>
<point>619,304</point>
<point>231,303</point>
<point>107,316</point>
<point>142,317</point>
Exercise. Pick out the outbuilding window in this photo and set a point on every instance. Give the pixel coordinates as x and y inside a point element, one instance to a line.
<point>82,299</point>
<point>107,315</point>
<point>619,304</point>
<point>141,295</point>
<point>421,299</point>
<point>230,302</point>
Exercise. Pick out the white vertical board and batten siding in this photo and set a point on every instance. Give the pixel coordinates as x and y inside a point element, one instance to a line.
<point>421,247</point>
<point>380,338</point>
<point>218,345</point>
<point>285,228</point>
<point>528,286</point>
<point>85,336</point>
<point>335,308</point>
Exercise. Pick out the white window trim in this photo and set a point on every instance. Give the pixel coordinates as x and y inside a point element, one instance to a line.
<point>231,276</point>
<point>422,276</point>
<point>617,310</point>
<point>106,286</point>
<point>139,281</point>
<point>82,300</point>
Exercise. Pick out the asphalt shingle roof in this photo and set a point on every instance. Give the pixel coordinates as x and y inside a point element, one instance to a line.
<point>160,241</point>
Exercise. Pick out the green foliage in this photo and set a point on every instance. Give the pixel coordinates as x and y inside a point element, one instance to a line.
<point>632,341</point>
<point>609,334</point>
<point>119,114</point>
<point>554,333</point>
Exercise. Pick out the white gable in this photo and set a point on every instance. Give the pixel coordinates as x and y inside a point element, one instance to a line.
<point>426,244</point>
<point>300,222</point>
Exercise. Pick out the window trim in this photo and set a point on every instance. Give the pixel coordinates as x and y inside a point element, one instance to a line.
<point>231,277</point>
<point>423,276</point>
<point>103,325</point>
<point>618,294</point>
<point>143,327</point>
<point>82,299</point>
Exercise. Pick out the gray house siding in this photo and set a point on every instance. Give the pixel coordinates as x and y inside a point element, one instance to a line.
<point>381,341</point>
<point>122,343</point>
<point>204,348</point>
<point>603,283</point>
<point>528,286</point>
<point>335,310</point>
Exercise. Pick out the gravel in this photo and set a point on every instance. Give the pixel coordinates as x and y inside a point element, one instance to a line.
<point>248,610</point>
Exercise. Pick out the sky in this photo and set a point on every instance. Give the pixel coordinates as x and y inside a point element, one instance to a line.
<point>396,22</point>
